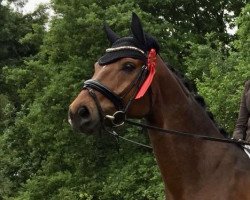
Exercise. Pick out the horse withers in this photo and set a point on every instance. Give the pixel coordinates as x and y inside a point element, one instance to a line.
<point>132,81</point>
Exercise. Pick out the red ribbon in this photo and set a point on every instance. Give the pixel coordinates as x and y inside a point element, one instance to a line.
<point>151,67</point>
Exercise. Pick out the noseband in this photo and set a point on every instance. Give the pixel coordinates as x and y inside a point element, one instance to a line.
<point>114,98</point>
<point>119,117</point>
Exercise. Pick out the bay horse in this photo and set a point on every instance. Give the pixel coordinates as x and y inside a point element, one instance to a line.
<point>132,81</point>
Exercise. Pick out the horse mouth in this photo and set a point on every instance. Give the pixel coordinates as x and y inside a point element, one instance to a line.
<point>90,130</point>
<point>87,128</point>
<point>84,125</point>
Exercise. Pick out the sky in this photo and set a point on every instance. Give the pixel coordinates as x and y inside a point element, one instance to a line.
<point>32,4</point>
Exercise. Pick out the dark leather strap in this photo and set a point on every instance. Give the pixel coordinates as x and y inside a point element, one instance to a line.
<point>115,99</point>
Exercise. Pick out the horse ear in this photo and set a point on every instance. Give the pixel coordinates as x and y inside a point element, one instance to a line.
<point>112,37</point>
<point>137,29</point>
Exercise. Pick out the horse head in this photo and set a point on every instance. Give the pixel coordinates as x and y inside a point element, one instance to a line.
<point>120,85</point>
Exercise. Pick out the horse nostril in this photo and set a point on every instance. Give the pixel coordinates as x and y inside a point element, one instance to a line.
<point>83,112</point>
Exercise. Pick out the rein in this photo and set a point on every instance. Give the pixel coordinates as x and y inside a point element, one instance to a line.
<point>173,132</point>
<point>186,134</point>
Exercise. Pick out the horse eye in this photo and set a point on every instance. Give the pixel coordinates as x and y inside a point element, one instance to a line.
<point>128,67</point>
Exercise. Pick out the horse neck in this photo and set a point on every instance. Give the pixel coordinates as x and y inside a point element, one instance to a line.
<point>173,108</point>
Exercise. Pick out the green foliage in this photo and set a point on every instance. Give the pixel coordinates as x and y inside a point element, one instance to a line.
<point>190,21</point>
<point>133,180</point>
<point>41,71</point>
<point>220,74</point>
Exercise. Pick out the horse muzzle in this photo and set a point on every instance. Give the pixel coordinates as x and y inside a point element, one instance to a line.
<point>83,118</point>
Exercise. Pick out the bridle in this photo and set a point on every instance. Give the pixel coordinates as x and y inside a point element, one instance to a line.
<point>119,117</point>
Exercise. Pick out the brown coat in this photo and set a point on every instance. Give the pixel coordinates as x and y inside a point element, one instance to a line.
<point>242,128</point>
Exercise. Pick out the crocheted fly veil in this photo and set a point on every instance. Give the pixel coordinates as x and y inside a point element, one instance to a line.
<point>137,46</point>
